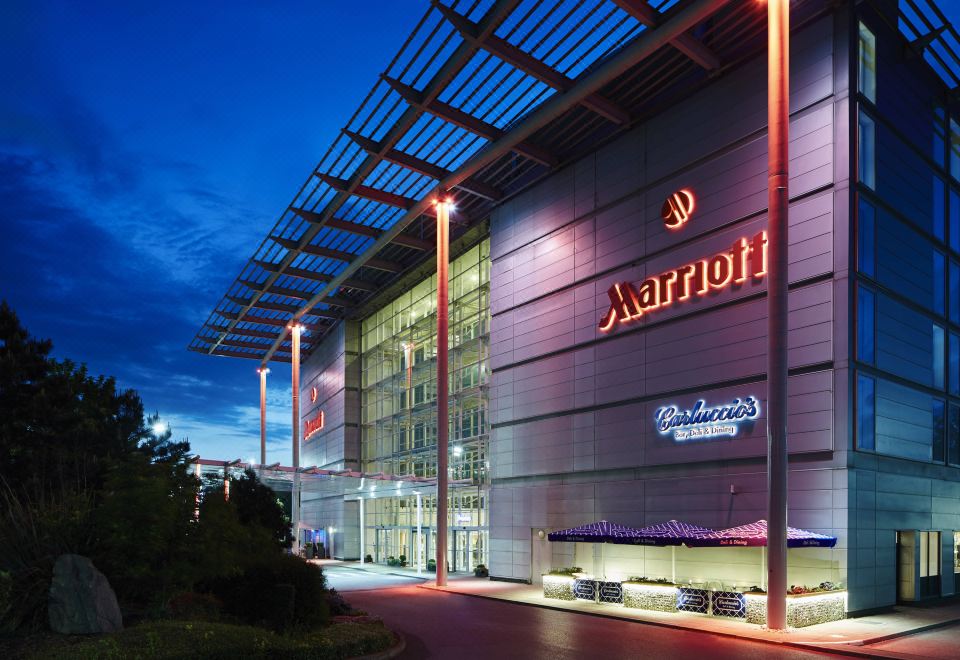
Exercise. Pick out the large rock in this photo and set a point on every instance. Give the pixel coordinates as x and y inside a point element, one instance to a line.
<point>81,600</point>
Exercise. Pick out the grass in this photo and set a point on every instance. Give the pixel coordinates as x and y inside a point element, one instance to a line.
<point>209,641</point>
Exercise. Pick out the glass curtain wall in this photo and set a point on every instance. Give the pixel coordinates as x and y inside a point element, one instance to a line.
<point>399,392</point>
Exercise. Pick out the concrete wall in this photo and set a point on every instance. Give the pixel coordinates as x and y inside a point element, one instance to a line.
<point>573,439</point>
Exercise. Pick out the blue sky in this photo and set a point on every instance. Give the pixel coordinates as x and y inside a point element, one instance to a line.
<point>145,150</point>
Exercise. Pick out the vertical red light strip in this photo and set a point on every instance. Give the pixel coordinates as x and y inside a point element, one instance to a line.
<point>295,382</point>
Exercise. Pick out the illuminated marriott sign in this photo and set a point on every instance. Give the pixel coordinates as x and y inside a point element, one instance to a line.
<point>311,426</point>
<point>747,258</point>
<point>703,422</point>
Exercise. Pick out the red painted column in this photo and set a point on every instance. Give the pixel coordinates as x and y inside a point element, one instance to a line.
<point>778,118</point>
<point>263,415</point>
<point>443,410</point>
<point>295,382</point>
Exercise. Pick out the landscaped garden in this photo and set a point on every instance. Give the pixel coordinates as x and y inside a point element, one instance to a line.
<point>110,547</point>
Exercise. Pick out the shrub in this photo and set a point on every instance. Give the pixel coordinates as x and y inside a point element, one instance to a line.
<point>432,565</point>
<point>566,571</point>
<point>481,571</point>
<point>368,559</point>
<point>337,604</point>
<point>281,593</point>
<point>192,606</point>
<point>402,560</point>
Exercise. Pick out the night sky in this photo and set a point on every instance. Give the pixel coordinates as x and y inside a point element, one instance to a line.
<point>146,148</point>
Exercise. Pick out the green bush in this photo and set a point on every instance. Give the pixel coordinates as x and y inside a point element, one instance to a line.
<point>481,571</point>
<point>566,571</point>
<point>432,565</point>
<point>281,593</point>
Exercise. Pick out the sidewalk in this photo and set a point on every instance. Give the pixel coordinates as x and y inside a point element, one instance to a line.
<point>850,636</point>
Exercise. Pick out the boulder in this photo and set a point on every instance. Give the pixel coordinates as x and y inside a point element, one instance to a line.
<point>81,599</point>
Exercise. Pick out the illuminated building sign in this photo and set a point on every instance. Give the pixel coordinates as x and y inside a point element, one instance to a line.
<point>747,258</point>
<point>677,209</point>
<point>311,426</point>
<point>704,422</point>
<point>313,394</point>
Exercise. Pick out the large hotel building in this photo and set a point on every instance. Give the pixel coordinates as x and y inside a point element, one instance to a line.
<point>608,316</point>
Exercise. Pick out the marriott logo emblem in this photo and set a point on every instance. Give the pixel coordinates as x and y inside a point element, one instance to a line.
<point>747,258</point>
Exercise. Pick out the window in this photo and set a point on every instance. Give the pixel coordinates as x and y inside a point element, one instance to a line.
<point>939,429</point>
<point>953,435</point>
<point>956,552</point>
<point>939,283</point>
<point>954,149</point>
<point>939,210</point>
<point>866,242</point>
<point>938,356</point>
<point>939,134</point>
<point>929,554</point>
<point>866,404</point>
<point>954,220</point>
<point>867,159</point>
<point>866,325</point>
<point>955,292</point>
<point>953,364</point>
<point>868,64</point>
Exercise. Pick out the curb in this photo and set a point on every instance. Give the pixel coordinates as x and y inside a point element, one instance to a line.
<point>391,652</point>
<point>850,648</point>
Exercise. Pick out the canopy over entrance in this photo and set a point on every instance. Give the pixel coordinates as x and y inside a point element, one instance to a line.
<point>672,532</point>
<point>755,534</point>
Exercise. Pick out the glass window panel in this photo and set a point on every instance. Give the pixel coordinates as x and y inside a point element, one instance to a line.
<point>939,283</point>
<point>939,210</point>
<point>938,356</point>
<point>868,64</point>
<point>939,135</point>
<point>866,405</point>
<point>953,369</point>
<point>866,244</point>
<point>867,152</point>
<point>953,435</point>
<point>954,292</point>
<point>939,429</point>
<point>954,149</point>
<point>954,234</point>
<point>866,325</point>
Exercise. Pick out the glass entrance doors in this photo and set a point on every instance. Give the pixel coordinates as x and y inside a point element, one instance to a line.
<point>400,544</point>
<point>468,549</point>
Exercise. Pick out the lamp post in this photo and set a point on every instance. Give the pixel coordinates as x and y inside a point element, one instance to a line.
<point>295,382</point>
<point>263,371</point>
<point>443,411</point>
<point>778,118</point>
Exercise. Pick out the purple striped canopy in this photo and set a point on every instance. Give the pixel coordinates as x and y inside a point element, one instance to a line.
<point>598,532</point>
<point>755,534</point>
<point>672,532</point>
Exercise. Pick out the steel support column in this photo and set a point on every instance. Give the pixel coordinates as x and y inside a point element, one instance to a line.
<point>419,534</point>
<point>778,118</point>
<point>362,529</point>
<point>443,410</point>
<point>295,382</point>
<point>263,416</point>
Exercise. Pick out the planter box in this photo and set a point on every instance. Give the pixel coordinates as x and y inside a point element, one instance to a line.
<point>558,586</point>
<point>802,609</point>
<point>656,597</point>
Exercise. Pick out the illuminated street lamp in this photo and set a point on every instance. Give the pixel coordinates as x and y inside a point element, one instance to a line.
<point>444,207</point>
<point>778,122</point>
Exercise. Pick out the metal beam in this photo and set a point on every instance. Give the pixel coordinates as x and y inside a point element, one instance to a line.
<point>645,45</point>
<point>265,320</point>
<point>237,354</point>
<point>260,303</point>
<point>367,192</point>
<point>530,65</point>
<point>421,166</point>
<point>495,15</point>
<point>339,255</point>
<point>362,230</point>
<point>467,121</point>
<point>686,43</point>
<point>246,332</point>
<point>304,274</point>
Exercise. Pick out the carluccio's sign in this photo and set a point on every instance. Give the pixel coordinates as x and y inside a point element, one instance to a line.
<point>703,421</point>
<point>746,259</point>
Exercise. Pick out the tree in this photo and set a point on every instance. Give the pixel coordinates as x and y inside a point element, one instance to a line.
<point>258,505</point>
